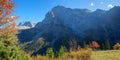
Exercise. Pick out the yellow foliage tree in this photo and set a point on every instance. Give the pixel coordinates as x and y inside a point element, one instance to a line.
<point>116,46</point>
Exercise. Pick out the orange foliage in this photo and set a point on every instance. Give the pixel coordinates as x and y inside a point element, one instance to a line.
<point>95,44</point>
<point>79,47</point>
<point>80,55</point>
<point>116,46</point>
<point>6,7</point>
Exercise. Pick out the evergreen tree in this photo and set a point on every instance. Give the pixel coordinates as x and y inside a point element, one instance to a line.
<point>107,45</point>
<point>50,53</point>
<point>103,46</point>
<point>84,44</point>
<point>8,48</point>
<point>11,52</point>
<point>61,51</point>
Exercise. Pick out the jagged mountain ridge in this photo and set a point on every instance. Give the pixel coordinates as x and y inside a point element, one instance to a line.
<point>80,24</point>
<point>26,25</point>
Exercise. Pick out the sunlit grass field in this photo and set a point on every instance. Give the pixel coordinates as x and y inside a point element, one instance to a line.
<point>106,55</point>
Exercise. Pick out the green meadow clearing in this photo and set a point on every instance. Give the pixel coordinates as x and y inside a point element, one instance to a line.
<point>106,55</point>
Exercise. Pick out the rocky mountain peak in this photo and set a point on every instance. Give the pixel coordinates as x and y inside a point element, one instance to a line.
<point>26,25</point>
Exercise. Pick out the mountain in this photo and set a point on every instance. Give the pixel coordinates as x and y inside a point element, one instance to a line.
<point>26,25</point>
<point>63,26</point>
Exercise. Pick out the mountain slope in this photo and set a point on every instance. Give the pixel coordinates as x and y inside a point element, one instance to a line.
<point>62,25</point>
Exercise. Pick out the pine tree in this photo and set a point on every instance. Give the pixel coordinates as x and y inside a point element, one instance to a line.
<point>107,45</point>
<point>8,48</point>
<point>61,51</point>
<point>50,53</point>
<point>103,46</point>
<point>84,44</point>
<point>11,52</point>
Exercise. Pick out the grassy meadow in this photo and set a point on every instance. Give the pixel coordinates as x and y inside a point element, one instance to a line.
<point>106,55</point>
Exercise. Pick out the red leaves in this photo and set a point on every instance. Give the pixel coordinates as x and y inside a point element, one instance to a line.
<point>13,27</point>
<point>95,44</point>
<point>6,7</point>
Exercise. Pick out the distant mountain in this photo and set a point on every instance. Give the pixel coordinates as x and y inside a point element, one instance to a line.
<point>26,25</point>
<point>63,25</point>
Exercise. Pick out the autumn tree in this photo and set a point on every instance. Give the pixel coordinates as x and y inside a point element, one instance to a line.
<point>116,46</point>
<point>95,45</point>
<point>8,38</point>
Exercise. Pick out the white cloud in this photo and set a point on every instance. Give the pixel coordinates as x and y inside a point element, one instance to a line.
<point>110,6</point>
<point>92,4</point>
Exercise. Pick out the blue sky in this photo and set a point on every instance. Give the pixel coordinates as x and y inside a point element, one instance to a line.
<point>35,10</point>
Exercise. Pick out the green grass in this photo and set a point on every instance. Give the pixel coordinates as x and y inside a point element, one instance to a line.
<point>106,55</point>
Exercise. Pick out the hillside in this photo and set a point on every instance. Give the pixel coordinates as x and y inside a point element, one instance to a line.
<point>62,26</point>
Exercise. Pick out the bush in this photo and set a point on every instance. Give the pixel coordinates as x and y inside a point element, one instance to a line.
<point>80,55</point>
<point>116,46</point>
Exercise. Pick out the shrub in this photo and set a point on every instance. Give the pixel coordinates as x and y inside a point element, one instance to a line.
<point>116,46</point>
<point>80,55</point>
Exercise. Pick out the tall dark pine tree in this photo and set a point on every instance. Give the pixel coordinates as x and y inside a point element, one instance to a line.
<point>107,45</point>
